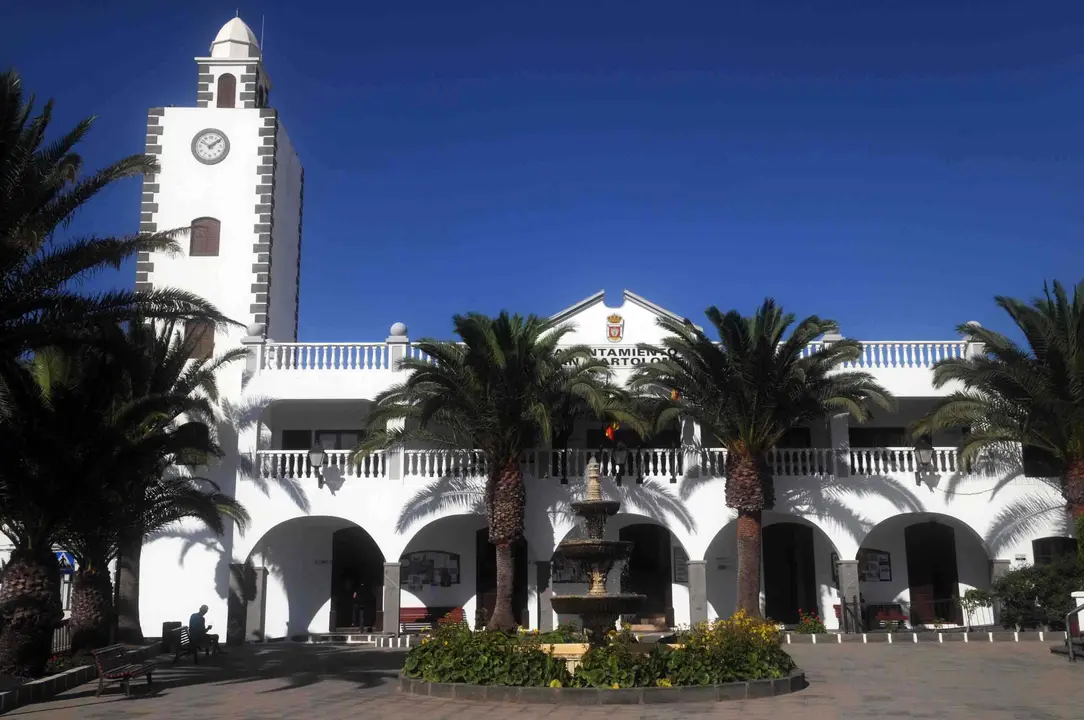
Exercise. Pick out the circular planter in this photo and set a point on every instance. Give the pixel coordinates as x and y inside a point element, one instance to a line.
<point>593,696</point>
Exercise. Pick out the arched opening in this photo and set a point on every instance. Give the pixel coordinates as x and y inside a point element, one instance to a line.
<point>798,570</point>
<point>357,581</point>
<point>648,572</point>
<point>790,570</point>
<point>914,567</point>
<point>449,565</point>
<point>296,580</point>
<point>226,96</point>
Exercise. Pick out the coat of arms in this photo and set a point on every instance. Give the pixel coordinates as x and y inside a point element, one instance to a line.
<point>615,328</point>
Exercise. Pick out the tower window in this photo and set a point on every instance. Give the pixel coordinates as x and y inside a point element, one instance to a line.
<point>199,338</point>
<point>204,239</point>
<point>227,91</point>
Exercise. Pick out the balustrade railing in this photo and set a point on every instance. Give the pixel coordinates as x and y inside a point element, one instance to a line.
<point>638,463</point>
<point>905,354</point>
<point>889,460</point>
<point>294,464</point>
<point>900,354</point>
<point>324,356</point>
<point>441,463</point>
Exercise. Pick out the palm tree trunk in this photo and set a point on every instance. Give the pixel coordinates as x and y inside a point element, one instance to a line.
<point>129,629</point>
<point>1073,489</point>
<point>503,619</point>
<point>506,513</point>
<point>749,529</point>
<point>30,604</point>
<point>748,490</point>
<point>92,606</point>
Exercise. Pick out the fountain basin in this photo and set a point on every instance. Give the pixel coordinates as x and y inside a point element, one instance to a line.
<point>624,604</point>
<point>589,508</point>
<point>595,549</point>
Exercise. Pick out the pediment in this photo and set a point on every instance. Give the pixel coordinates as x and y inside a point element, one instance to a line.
<point>614,332</point>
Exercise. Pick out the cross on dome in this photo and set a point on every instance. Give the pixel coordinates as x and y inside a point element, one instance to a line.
<point>235,40</point>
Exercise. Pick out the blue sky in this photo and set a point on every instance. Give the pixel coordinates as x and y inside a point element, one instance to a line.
<point>892,165</point>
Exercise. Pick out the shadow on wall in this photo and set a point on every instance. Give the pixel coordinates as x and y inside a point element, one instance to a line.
<point>466,495</point>
<point>234,420</point>
<point>1041,512</point>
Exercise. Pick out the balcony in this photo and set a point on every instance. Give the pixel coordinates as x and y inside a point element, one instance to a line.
<point>644,464</point>
<point>367,357</point>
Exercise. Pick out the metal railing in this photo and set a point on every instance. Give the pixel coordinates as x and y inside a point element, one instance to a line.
<point>1069,632</point>
<point>62,637</point>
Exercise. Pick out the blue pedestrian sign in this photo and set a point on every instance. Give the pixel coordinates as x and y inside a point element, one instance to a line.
<point>66,561</point>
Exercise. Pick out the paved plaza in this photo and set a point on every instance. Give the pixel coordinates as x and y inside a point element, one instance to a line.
<point>991,681</point>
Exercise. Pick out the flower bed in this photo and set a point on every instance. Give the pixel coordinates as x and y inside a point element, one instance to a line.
<point>740,649</point>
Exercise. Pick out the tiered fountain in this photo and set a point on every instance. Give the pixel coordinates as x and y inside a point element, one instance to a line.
<point>597,609</point>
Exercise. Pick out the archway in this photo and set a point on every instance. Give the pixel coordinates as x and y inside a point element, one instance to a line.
<point>917,566</point>
<point>798,570</point>
<point>296,579</point>
<point>648,572</point>
<point>357,581</point>
<point>450,566</point>
<point>789,561</point>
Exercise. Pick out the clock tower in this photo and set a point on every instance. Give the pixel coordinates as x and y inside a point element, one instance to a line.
<point>229,174</point>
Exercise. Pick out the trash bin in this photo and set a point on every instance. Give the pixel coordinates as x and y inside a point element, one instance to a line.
<point>168,630</point>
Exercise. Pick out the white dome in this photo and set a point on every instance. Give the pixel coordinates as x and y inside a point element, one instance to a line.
<point>235,40</point>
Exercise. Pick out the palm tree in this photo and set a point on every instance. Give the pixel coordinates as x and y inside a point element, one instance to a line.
<point>159,365</point>
<point>40,493</point>
<point>748,390</point>
<point>1032,396</point>
<point>41,189</point>
<point>497,390</point>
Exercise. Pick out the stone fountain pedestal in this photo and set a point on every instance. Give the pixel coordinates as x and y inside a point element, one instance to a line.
<point>598,610</point>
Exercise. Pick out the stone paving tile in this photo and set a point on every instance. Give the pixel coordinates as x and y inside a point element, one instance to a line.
<point>991,681</point>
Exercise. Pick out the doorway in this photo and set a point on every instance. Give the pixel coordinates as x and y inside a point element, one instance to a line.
<point>790,581</point>
<point>486,579</point>
<point>649,572</point>
<point>357,581</point>
<point>932,574</point>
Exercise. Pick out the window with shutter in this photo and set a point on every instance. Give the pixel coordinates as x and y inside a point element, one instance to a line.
<point>205,235</point>
<point>1049,550</point>
<point>227,91</point>
<point>199,337</point>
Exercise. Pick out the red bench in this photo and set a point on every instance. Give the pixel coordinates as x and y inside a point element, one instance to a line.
<point>416,620</point>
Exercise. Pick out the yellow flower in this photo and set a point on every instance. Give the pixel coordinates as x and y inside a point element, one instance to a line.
<point>663,682</point>
<point>555,683</point>
<point>615,686</point>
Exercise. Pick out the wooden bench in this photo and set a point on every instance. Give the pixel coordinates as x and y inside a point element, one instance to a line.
<point>418,620</point>
<point>113,666</point>
<point>183,641</point>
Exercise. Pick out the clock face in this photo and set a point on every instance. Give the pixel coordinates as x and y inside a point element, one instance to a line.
<point>210,146</point>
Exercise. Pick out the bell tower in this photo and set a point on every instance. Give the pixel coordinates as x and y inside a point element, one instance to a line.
<point>231,181</point>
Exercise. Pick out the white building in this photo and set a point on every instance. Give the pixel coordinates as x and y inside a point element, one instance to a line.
<point>358,545</point>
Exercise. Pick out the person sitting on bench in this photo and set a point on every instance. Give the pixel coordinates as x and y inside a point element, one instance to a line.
<point>197,632</point>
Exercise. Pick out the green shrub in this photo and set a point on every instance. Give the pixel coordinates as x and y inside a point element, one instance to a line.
<point>565,633</point>
<point>456,654</point>
<point>809,624</point>
<point>1036,595</point>
<point>741,648</point>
